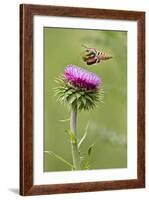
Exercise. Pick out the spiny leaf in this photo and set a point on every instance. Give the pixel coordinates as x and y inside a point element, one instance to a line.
<point>84,136</point>
<point>83,100</point>
<point>87,163</point>
<point>78,95</point>
<point>81,106</point>
<point>89,98</point>
<point>72,99</point>
<point>69,92</point>
<point>64,120</point>
<point>59,158</point>
<point>72,136</point>
<point>82,92</point>
<point>90,149</point>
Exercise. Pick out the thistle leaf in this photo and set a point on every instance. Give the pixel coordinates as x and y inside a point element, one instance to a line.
<point>89,98</point>
<point>84,136</point>
<point>59,158</point>
<point>87,163</point>
<point>90,149</point>
<point>78,95</point>
<point>83,100</point>
<point>64,120</point>
<point>72,99</point>
<point>72,136</point>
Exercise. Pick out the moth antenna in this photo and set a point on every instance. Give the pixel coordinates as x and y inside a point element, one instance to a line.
<point>84,46</point>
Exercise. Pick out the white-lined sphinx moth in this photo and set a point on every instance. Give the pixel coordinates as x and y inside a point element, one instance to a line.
<point>93,56</point>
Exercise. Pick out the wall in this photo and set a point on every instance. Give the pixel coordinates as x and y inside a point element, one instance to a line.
<point>9,98</point>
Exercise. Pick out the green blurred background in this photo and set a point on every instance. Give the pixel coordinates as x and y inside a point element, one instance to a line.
<point>108,121</point>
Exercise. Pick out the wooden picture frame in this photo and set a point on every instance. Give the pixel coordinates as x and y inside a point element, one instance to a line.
<point>27,13</point>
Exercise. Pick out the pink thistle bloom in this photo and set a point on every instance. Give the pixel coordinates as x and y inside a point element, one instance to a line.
<point>81,78</point>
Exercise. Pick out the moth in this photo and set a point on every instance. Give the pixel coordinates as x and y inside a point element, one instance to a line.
<point>93,56</point>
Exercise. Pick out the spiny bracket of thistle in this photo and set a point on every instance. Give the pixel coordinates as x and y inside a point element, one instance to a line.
<point>79,88</point>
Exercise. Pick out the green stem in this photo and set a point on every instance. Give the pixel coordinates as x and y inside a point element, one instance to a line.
<point>74,145</point>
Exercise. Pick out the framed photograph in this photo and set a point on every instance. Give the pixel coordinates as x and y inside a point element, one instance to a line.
<point>82,99</point>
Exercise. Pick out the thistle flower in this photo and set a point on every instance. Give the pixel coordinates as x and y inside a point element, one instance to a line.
<point>81,78</point>
<point>79,88</point>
